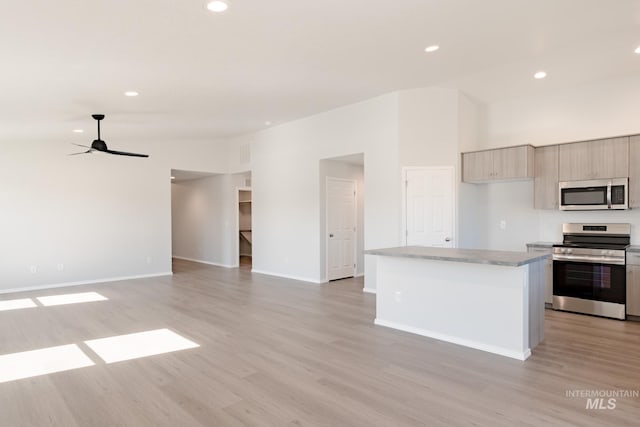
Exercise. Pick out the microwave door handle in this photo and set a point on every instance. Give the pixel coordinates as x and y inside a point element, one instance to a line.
<point>609,195</point>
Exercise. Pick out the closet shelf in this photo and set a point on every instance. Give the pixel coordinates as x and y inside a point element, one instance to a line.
<point>246,235</point>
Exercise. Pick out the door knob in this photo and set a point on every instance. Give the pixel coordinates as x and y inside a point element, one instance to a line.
<point>330,235</point>
<point>447,239</point>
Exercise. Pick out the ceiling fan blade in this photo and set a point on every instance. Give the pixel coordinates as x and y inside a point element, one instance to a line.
<point>124,153</point>
<point>101,146</point>
<point>84,152</point>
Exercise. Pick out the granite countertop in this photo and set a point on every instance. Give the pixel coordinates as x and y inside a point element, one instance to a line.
<point>633,249</point>
<point>541,244</point>
<point>475,256</point>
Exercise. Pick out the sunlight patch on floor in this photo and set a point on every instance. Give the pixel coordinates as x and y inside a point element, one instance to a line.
<point>142,344</point>
<point>17,304</point>
<point>33,363</point>
<point>71,298</point>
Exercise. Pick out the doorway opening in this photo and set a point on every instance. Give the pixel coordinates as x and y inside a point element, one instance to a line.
<point>244,238</point>
<point>196,215</point>
<point>342,217</point>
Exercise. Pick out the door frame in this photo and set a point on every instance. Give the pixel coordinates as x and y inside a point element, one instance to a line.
<point>403,183</point>
<point>236,220</point>
<point>326,224</point>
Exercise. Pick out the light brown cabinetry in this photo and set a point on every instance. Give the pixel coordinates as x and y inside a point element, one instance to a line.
<point>633,284</point>
<point>604,158</point>
<point>546,177</point>
<point>510,163</point>
<point>548,272</point>
<point>634,171</point>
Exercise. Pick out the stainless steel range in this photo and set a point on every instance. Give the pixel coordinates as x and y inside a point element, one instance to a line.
<point>589,273</point>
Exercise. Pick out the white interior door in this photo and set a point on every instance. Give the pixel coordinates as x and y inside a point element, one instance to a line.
<point>341,228</point>
<point>429,208</point>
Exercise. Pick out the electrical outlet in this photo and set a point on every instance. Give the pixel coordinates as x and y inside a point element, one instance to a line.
<point>286,260</point>
<point>33,269</point>
<point>60,267</point>
<point>398,296</point>
<point>149,260</point>
<point>503,224</point>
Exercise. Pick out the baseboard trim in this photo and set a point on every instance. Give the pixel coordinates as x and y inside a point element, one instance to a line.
<point>199,261</point>
<point>369,290</point>
<point>359,275</point>
<point>456,340</point>
<point>84,282</point>
<point>286,276</point>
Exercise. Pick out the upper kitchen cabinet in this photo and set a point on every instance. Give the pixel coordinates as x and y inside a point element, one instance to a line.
<point>604,158</point>
<point>512,163</point>
<point>546,177</point>
<point>634,171</point>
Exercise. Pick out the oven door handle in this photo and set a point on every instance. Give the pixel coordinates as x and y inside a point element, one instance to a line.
<point>609,195</point>
<point>590,259</point>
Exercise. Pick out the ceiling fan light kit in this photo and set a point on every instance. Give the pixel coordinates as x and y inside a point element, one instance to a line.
<point>100,145</point>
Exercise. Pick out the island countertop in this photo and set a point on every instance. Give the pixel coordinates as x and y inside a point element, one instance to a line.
<point>474,256</point>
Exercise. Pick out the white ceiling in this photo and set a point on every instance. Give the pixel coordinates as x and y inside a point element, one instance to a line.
<point>206,76</point>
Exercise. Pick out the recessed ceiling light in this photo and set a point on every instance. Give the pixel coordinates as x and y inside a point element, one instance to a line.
<point>267,123</point>
<point>637,50</point>
<point>217,6</point>
<point>540,75</point>
<point>78,130</point>
<point>432,48</point>
<point>131,93</point>
<point>173,177</point>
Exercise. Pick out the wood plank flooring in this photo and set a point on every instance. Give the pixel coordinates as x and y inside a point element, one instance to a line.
<point>280,352</point>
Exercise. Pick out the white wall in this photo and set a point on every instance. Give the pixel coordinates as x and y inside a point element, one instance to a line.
<point>101,216</point>
<point>338,169</point>
<point>602,110</point>
<point>204,219</point>
<point>429,127</point>
<point>198,218</point>
<point>435,125</point>
<point>286,193</point>
<point>420,127</point>
<point>606,109</point>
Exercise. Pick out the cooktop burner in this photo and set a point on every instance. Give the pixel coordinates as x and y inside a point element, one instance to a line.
<point>596,236</point>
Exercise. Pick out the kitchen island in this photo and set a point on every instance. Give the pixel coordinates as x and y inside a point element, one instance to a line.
<point>487,300</point>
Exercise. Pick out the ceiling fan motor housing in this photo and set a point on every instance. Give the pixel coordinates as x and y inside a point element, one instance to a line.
<point>99,145</point>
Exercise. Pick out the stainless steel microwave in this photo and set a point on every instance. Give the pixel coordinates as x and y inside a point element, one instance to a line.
<point>594,194</point>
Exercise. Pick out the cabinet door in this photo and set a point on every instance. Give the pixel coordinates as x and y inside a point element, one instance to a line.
<point>513,162</point>
<point>546,178</point>
<point>604,158</point>
<point>633,290</point>
<point>609,158</point>
<point>634,171</point>
<point>574,162</point>
<point>477,166</point>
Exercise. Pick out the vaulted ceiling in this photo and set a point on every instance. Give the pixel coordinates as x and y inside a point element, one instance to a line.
<point>204,76</point>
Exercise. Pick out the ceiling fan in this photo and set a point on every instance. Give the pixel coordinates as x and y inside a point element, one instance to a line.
<point>100,145</point>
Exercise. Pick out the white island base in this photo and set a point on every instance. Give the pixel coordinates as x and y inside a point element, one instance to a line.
<point>494,308</point>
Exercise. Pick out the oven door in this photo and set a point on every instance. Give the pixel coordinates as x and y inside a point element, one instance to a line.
<point>590,281</point>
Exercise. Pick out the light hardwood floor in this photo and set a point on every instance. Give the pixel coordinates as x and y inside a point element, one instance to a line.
<point>281,352</point>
